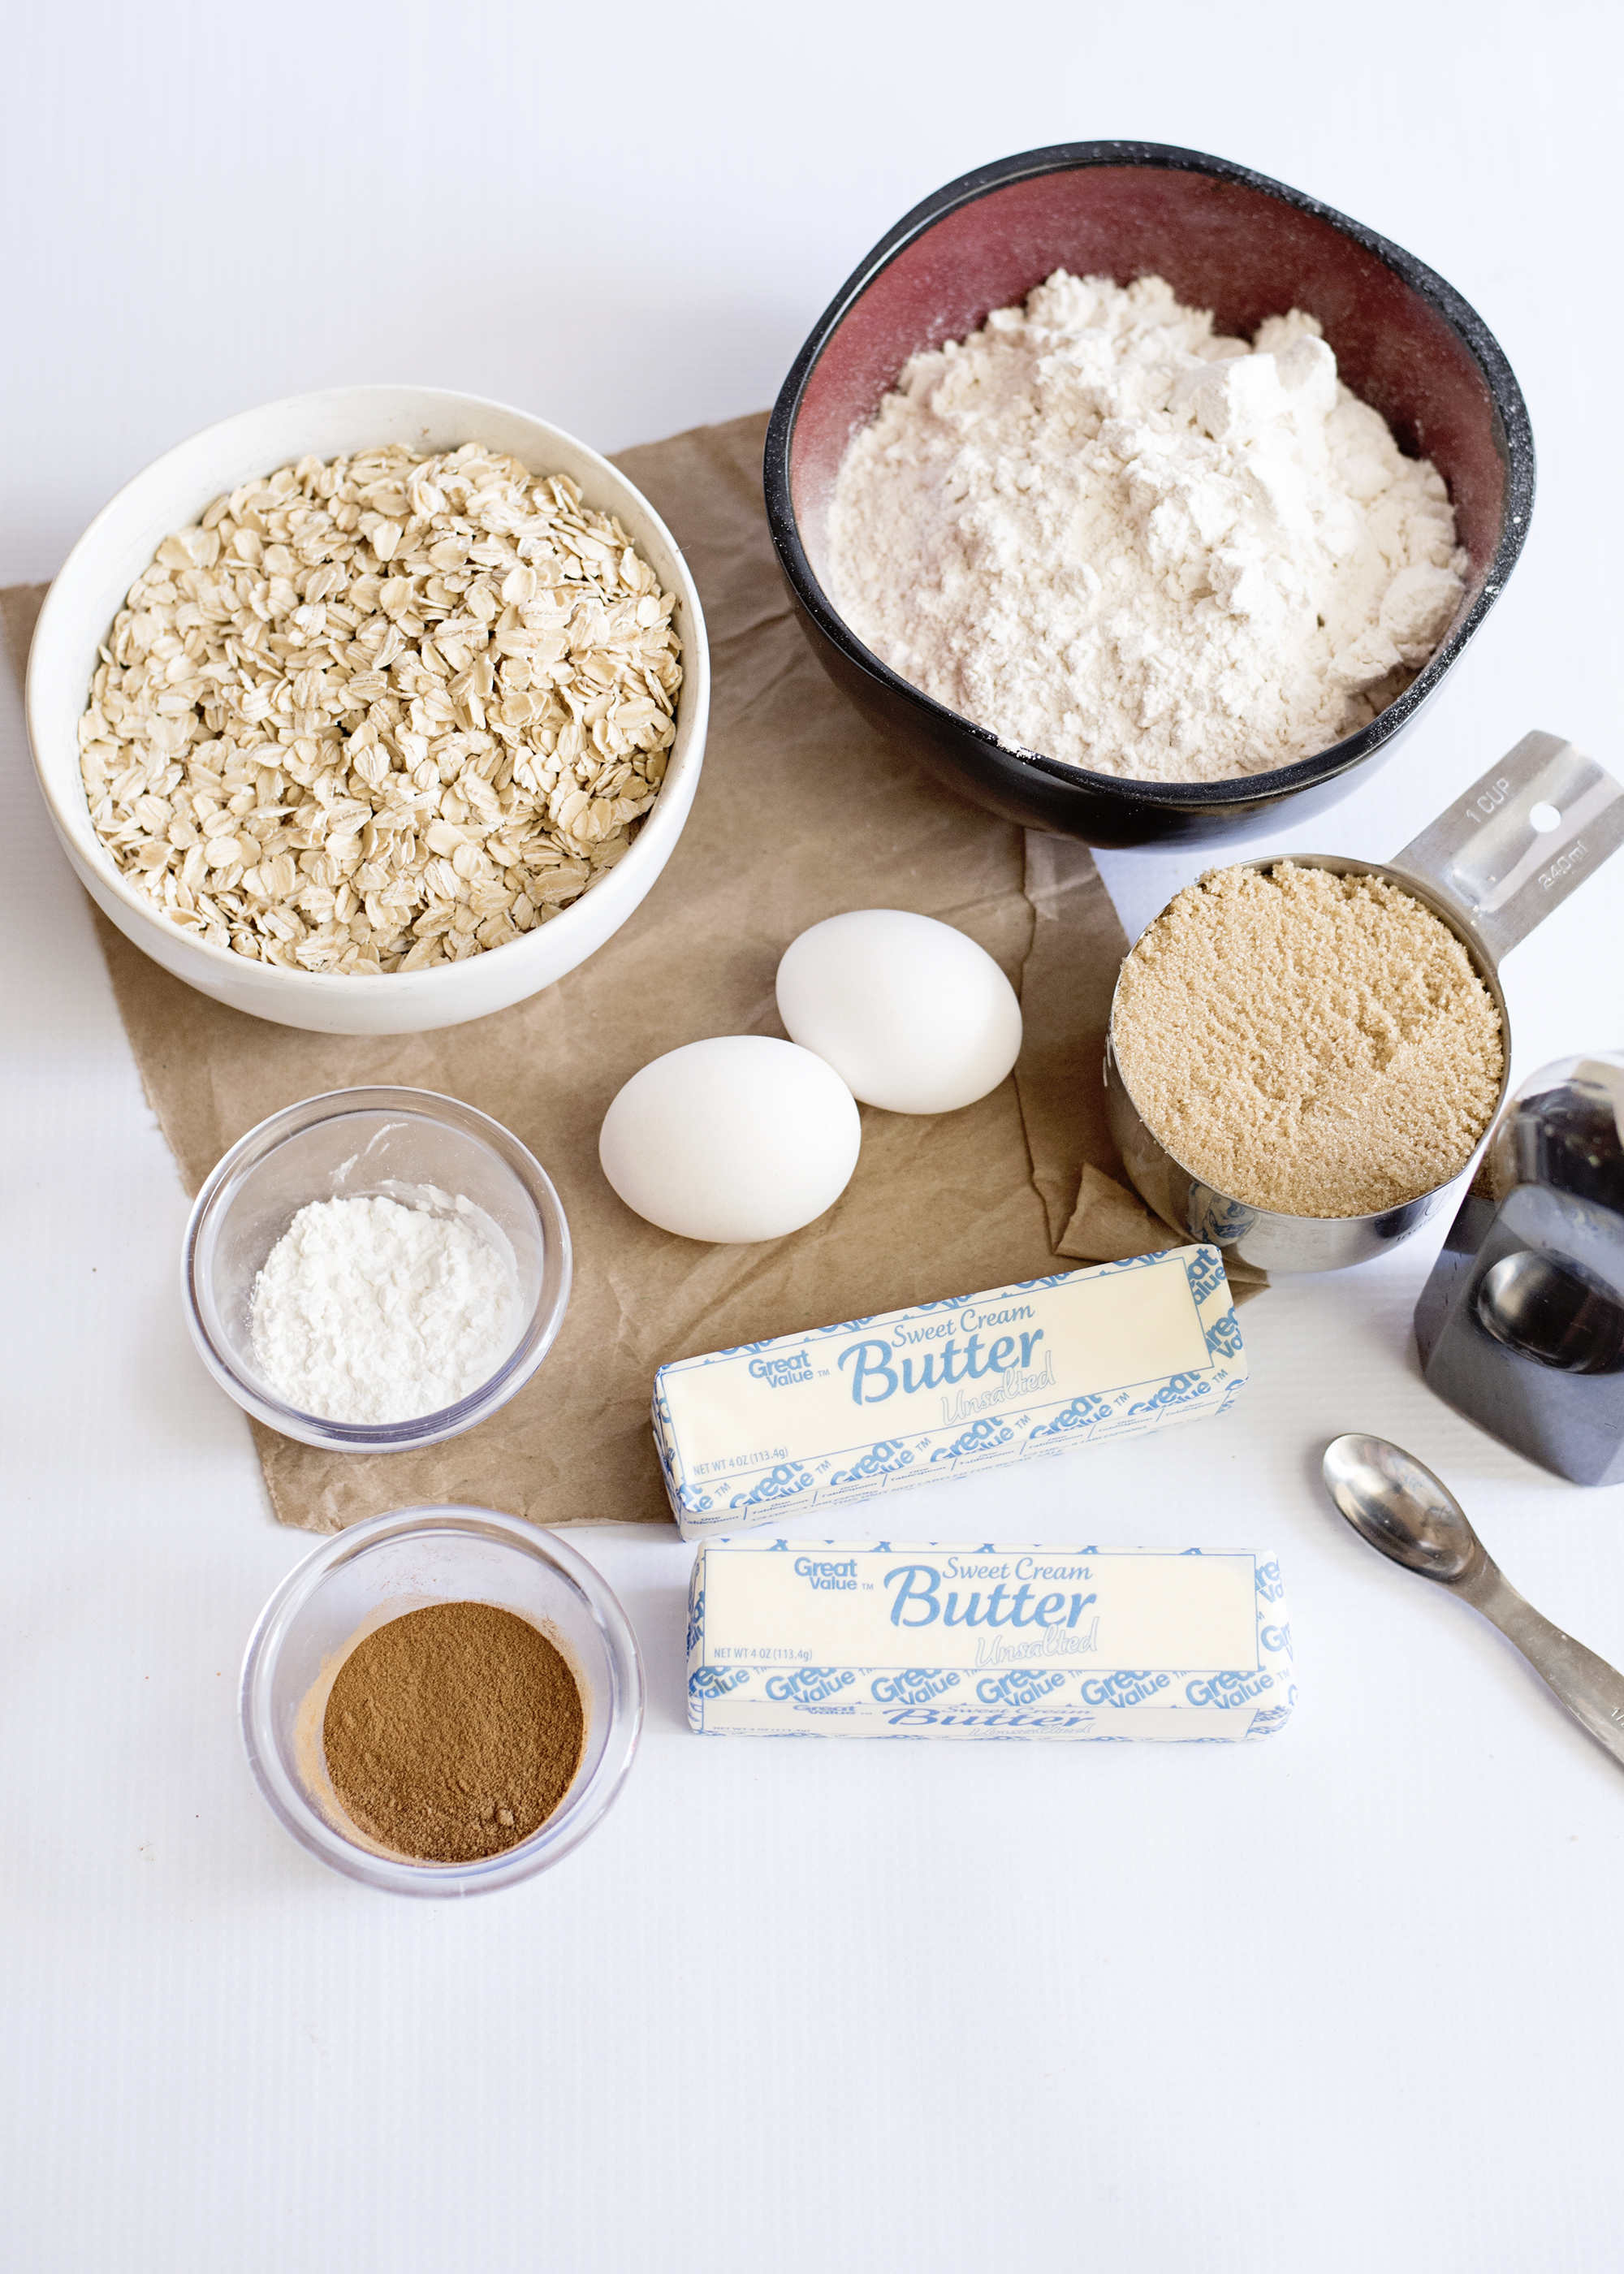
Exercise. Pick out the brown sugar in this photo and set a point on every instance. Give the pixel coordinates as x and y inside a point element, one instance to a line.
<point>1316,1044</point>
<point>452,1732</point>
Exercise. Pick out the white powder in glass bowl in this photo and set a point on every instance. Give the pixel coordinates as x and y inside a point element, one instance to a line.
<point>1107,534</point>
<point>366,1310</point>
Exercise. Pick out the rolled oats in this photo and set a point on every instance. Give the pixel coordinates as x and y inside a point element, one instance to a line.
<point>383,712</point>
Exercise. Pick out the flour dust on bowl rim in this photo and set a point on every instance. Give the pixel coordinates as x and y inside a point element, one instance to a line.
<point>168,495</point>
<point>1223,237</point>
<point>379,1570</point>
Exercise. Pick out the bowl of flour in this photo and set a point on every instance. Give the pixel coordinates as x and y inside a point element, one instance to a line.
<point>1136,492</point>
<point>375,1268</point>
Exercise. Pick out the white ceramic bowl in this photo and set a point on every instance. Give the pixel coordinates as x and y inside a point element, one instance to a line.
<point>120,542</point>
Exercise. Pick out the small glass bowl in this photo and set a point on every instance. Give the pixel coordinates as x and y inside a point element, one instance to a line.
<point>379,1570</point>
<point>400,1143</point>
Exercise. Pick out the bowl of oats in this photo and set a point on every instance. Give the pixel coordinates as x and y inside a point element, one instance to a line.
<point>373,709</point>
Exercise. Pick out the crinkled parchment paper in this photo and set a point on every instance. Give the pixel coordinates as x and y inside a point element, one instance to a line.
<point>802,812</point>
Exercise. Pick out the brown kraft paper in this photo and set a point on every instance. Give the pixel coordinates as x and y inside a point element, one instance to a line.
<point>802,812</point>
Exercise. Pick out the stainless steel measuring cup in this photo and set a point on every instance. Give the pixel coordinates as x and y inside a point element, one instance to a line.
<point>1492,867</point>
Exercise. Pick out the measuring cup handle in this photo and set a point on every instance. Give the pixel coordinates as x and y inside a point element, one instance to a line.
<point>1521,839</point>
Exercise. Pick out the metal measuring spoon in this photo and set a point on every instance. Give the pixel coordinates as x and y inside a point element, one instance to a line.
<point>1398,1506</point>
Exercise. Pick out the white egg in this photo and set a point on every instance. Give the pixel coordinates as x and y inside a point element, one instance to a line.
<point>736,1138</point>
<point>911,1014</point>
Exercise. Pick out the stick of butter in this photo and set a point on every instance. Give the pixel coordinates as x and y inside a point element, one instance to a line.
<point>877,1404</point>
<point>822,1640</point>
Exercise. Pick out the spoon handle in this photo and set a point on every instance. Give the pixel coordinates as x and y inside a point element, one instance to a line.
<point>1592,1690</point>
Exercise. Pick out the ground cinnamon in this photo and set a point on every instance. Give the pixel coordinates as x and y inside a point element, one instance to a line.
<point>452,1732</point>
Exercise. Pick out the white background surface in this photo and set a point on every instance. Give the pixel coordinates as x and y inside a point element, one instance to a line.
<point>1348,2000</point>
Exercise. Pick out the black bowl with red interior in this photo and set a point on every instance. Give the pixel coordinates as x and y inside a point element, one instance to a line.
<point>1224,238</point>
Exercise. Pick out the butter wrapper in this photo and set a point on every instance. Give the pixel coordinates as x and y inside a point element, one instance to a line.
<point>875,1405</point>
<point>811,1640</point>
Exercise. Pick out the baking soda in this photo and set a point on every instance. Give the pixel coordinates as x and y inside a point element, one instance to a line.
<point>366,1310</point>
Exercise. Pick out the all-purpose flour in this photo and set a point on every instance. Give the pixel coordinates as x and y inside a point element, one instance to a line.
<point>366,1310</point>
<point>1108,535</point>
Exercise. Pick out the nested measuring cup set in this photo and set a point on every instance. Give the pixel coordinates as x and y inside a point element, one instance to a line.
<point>1491,866</point>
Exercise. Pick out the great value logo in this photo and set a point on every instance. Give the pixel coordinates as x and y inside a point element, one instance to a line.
<point>838,1577</point>
<point>1123,1688</point>
<point>780,1373</point>
<point>810,1685</point>
<point>912,1685</point>
<point>1227,1688</point>
<point>1020,1688</point>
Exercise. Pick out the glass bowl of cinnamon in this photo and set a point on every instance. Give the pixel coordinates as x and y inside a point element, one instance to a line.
<point>442,1701</point>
